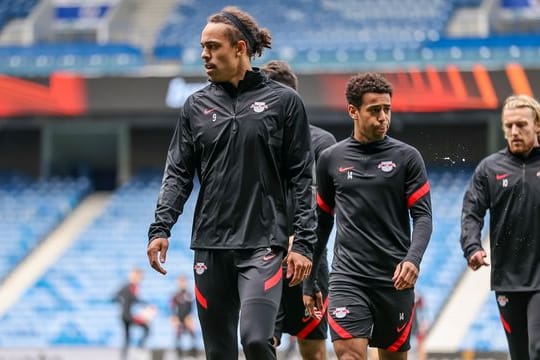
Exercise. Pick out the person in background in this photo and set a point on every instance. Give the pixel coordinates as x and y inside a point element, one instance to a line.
<point>375,185</point>
<point>307,332</point>
<point>247,138</point>
<point>420,327</point>
<point>128,296</point>
<point>507,183</point>
<point>182,315</point>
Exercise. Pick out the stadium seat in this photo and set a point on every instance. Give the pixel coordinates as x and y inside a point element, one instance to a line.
<point>78,303</point>
<point>29,210</point>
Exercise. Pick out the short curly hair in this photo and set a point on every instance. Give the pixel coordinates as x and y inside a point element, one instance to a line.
<point>360,84</point>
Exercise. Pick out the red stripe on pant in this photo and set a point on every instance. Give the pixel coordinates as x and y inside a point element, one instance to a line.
<point>343,334</point>
<point>404,333</point>
<point>313,323</point>
<point>506,325</point>
<point>274,280</point>
<point>200,298</point>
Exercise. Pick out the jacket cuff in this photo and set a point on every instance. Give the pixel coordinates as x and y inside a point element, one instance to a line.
<point>303,248</point>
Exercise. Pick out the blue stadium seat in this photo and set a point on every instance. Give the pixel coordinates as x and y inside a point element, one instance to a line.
<point>41,59</point>
<point>75,294</point>
<point>486,332</point>
<point>29,210</point>
<point>443,262</point>
<point>13,9</point>
<point>414,27</point>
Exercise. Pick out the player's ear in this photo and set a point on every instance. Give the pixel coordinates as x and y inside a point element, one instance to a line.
<point>353,111</point>
<point>241,47</point>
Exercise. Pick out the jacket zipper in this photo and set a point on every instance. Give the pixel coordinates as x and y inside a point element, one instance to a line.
<point>523,175</point>
<point>234,120</point>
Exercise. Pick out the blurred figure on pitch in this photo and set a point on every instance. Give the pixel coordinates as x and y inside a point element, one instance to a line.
<point>182,317</point>
<point>128,297</point>
<point>419,327</point>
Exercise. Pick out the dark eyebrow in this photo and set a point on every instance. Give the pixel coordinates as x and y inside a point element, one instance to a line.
<point>371,106</point>
<point>209,42</point>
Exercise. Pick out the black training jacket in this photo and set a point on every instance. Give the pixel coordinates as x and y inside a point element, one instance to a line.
<point>374,190</point>
<point>248,145</point>
<point>509,186</point>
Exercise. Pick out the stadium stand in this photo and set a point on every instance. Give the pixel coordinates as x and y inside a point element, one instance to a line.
<point>15,9</point>
<point>443,262</point>
<point>42,59</point>
<point>29,210</point>
<point>75,294</point>
<point>330,35</point>
<point>486,332</point>
<point>316,35</point>
<point>38,37</point>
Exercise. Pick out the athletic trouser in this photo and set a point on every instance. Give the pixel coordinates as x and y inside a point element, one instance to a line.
<point>238,287</point>
<point>520,317</point>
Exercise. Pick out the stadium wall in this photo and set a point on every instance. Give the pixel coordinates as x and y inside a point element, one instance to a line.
<point>117,125</point>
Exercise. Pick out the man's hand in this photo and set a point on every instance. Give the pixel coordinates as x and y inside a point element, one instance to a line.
<point>478,259</point>
<point>275,342</point>
<point>314,305</point>
<point>405,275</point>
<point>298,267</point>
<point>155,247</point>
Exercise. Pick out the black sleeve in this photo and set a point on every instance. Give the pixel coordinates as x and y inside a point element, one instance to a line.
<point>419,203</point>
<point>177,180</point>
<point>325,213</point>
<point>297,147</point>
<point>475,204</point>
<point>324,228</point>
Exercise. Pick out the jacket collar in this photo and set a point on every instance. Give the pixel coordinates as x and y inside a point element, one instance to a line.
<point>251,79</point>
<point>371,146</point>
<point>535,152</point>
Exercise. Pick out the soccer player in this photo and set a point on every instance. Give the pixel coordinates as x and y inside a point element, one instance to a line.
<point>182,317</point>
<point>508,184</point>
<point>374,185</point>
<point>127,296</point>
<point>247,138</point>
<point>292,318</point>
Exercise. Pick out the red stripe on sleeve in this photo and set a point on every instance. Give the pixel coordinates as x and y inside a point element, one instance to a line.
<point>404,333</point>
<point>313,323</point>
<point>200,298</point>
<point>343,334</point>
<point>324,206</point>
<point>418,194</point>
<point>274,280</point>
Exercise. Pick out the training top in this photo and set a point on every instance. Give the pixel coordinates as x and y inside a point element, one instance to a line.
<point>374,190</point>
<point>509,186</point>
<point>248,146</point>
<point>127,296</point>
<point>320,140</point>
<point>182,304</point>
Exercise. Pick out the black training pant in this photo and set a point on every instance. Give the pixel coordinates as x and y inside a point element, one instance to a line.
<point>238,286</point>
<point>520,317</point>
